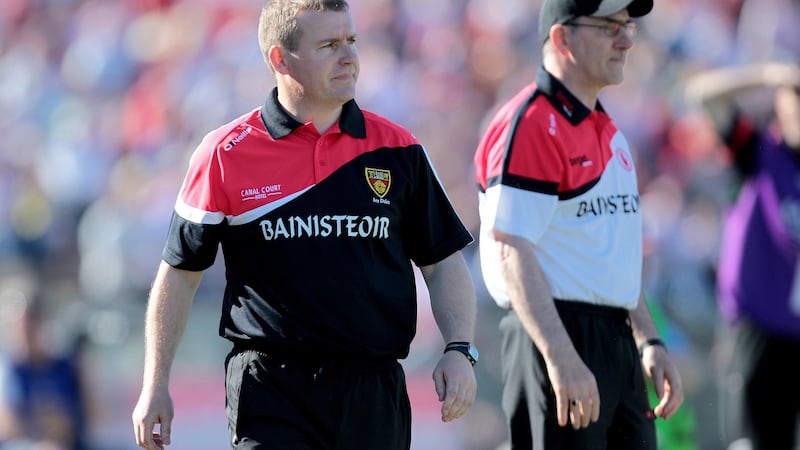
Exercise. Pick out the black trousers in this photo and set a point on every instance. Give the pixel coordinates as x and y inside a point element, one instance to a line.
<point>279,402</point>
<point>603,338</point>
<point>760,390</point>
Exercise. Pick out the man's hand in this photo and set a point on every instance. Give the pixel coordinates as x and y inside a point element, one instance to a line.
<point>152,408</point>
<point>577,396</point>
<point>454,379</point>
<point>658,365</point>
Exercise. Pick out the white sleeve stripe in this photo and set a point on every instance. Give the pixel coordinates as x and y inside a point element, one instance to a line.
<point>254,214</point>
<point>199,216</point>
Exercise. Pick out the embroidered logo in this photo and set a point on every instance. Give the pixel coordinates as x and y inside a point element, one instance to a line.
<point>260,193</point>
<point>379,180</point>
<point>582,160</point>
<point>625,159</point>
<point>239,138</point>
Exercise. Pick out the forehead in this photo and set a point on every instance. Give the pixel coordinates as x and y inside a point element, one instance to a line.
<point>325,25</point>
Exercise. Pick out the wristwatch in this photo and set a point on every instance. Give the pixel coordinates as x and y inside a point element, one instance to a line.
<point>465,348</point>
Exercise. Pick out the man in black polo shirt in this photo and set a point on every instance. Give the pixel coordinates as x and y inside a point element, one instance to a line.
<point>561,246</point>
<point>321,210</point>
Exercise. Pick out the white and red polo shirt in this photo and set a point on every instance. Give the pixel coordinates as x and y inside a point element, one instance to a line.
<point>318,231</point>
<point>561,176</point>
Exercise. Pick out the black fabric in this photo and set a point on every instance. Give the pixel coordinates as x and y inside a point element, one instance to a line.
<point>603,338</point>
<point>333,267</point>
<point>346,295</point>
<point>760,394</point>
<point>279,123</point>
<point>281,401</point>
<point>185,237</point>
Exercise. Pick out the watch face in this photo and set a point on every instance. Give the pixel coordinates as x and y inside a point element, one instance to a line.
<point>473,351</point>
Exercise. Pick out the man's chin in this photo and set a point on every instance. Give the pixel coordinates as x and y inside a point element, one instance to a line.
<point>615,79</point>
<point>345,96</point>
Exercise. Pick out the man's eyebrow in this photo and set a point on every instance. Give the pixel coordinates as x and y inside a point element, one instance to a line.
<point>338,38</point>
<point>617,21</point>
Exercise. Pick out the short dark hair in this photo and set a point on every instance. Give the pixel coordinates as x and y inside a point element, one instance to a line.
<point>278,21</point>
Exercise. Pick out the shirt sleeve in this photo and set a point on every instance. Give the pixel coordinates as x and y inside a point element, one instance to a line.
<point>434,230</point>
<point>524,196</point>
<point>199,218</point>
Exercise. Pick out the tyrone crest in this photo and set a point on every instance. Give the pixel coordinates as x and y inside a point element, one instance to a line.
<point>379,180</point>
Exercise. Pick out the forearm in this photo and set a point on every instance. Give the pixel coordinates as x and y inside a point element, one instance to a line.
<point>530,296</point>
<point>642,323</point>
<point>452,297</point>
<point>167,313</point>
<point>715,84</point>
<point>656,362</point>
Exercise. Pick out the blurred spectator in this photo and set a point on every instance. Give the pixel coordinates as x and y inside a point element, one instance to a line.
<point>42,393</point>
<point>759,275</point>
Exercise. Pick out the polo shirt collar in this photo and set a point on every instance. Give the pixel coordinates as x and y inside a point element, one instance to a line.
<point>279,123</point>
<point>562,99</point>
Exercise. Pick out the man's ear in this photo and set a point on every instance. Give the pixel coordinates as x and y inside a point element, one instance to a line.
<point>276,59</point>
<point>560,38</point>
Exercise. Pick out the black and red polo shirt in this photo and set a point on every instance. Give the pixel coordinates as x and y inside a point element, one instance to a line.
<point>318,232</point>
<point>562,176</point>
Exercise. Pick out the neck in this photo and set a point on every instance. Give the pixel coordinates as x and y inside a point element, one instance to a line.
<point>571,79</point>
<point>304,111</point>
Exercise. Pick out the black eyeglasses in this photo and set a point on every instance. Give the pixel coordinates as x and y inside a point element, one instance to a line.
<point>611,27</point>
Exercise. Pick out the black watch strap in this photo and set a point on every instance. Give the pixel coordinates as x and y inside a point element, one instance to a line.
<point>651,342</point>
<point>465,348</point>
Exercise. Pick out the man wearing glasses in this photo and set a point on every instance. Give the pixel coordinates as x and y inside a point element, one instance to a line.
<point>561,246</point>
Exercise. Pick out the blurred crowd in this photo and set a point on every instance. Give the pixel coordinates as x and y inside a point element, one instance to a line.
<point>102,101</point>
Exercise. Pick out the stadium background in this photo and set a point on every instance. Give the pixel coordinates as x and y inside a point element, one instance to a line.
<point>101,102</point>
